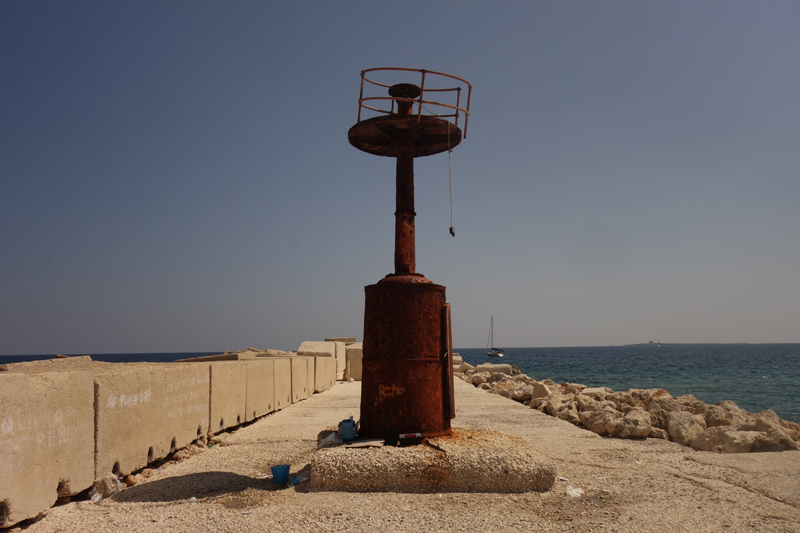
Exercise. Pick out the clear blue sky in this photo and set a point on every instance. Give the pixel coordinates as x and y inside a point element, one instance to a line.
<point>176,176</point>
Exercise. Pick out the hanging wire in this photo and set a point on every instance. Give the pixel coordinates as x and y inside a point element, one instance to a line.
<point>449,166</point>
<point>450,178</point>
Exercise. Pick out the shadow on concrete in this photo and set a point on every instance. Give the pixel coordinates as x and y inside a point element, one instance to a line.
<point>199,485</point>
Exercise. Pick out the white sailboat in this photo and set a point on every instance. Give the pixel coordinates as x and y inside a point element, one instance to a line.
<point>491,351</point>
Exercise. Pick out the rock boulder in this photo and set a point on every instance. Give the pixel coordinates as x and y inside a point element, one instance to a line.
<point>689,403</point>
<point>658,418</point>
<point>479,378</point>
<point>684,426</point>
<point>739,441</point>
<point>569,413</point>
<point>596,393</point>
<point>775,440</point>
<point>494,369</point>
<point>727,413</point>
<point>635,424</point>
<point>710,440</point>
<point>658,433</point>
<point>465,366</point>
<point>572,388</point>
<point>540,390</point>
<point>601,422</point>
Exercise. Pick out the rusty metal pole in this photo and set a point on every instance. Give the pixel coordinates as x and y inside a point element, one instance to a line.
<point>404,237</point>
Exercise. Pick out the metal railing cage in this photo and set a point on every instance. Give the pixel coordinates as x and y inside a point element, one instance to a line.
<point>450,111</point>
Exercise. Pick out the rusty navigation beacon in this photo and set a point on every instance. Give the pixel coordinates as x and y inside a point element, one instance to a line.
<point>407,373</point>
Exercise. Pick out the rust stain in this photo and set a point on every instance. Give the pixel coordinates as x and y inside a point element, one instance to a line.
<point>435,473</point>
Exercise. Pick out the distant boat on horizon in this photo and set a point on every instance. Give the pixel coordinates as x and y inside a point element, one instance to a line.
<point>491,351</point>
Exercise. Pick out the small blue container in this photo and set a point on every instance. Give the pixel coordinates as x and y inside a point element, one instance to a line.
<point>347,430</point>
<point>280,474</point>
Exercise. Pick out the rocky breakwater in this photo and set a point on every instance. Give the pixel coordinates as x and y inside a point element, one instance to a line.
<point>641,413</point>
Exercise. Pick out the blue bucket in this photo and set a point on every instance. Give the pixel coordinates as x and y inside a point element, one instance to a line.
<point>347,431</point>
<point>280,474</point>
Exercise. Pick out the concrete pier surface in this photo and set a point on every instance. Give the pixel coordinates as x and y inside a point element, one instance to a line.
<point>630,485</point>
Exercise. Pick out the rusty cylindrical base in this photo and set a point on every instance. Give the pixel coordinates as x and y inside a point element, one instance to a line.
<point>402,369</point>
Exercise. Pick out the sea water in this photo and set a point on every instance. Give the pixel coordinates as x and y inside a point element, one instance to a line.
<point>754,376</point>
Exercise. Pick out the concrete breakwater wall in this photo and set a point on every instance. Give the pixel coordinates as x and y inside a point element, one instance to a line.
<point>66,422</point>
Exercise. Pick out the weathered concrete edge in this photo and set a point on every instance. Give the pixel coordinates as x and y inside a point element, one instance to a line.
<point>20,484</point>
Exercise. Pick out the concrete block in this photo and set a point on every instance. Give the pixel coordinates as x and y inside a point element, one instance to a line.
<point>283,382</point>
<point>236,356</point>
<point>317,349</point>
<point>311,372</point>
<point>272,353</point>
<point>346,340</point>
<point>324,373</point>
<point>355,355</point>
<point>301,388</point>
<point>260,388</point>
<point>129,418</point>
<point>49,365</point>
<point>46,440</point>
<point>341,359</point>
<point>228,395</point>
<point>186,395</point>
